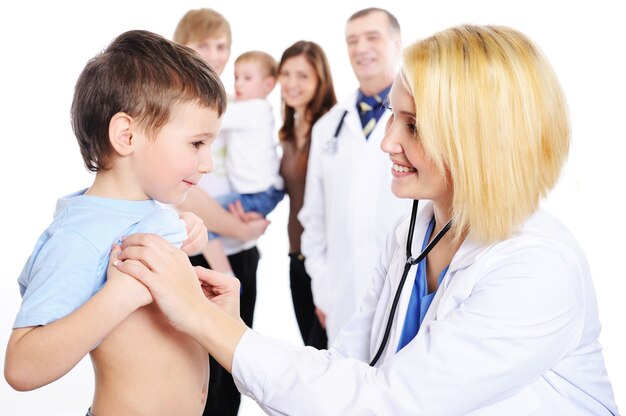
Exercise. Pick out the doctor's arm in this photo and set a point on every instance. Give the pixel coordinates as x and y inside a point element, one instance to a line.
<point>498,341</point>
<point>312,216</point>
<point>501,339</point>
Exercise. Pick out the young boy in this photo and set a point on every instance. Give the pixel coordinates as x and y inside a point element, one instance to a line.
<point>145,112</point>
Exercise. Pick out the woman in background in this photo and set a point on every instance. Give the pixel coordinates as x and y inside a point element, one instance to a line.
<point>307,94</point>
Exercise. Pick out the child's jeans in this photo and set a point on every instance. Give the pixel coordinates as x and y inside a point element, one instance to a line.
<point>261,202</point>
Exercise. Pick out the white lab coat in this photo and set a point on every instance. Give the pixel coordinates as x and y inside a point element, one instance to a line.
<point>512,330</point>
<point>348,212</point>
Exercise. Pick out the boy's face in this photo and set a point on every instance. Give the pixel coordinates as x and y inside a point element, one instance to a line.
<point>251,82</point>
<point>213,50</point>
<point>165,167</point>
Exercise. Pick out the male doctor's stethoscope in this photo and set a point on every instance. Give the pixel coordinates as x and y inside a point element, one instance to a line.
<point>331,148</point>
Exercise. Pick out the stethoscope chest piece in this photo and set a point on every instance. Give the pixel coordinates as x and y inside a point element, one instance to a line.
<point>331,144</point>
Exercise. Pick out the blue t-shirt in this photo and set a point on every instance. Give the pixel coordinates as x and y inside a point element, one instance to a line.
<point>69,262</point>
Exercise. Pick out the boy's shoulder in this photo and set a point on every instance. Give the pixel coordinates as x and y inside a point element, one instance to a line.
<point>164,222</point>
<point>103,221</point>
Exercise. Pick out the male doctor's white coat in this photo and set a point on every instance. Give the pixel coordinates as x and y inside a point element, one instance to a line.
<point>348,211</point>
<point>512,330</point>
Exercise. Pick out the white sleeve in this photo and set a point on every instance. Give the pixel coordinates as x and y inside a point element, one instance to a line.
<point>312,216</point>
<point>522,318</point>
<point>248,114</point>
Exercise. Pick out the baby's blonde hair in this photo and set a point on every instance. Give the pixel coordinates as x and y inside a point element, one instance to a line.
<point>491,111</point>
<point>266,62</point>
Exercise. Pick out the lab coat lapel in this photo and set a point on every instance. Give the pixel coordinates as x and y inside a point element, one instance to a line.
<point>352,123</point>
<point>465,257</point>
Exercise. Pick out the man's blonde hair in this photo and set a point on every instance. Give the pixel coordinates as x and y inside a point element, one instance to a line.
<point>199,24</point>
<point>266,62</point>
<point>491,111</point>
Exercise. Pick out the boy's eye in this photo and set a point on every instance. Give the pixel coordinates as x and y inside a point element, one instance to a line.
<point>197,144</point>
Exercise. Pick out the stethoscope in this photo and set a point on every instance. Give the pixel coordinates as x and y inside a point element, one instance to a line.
<point>410,261</point>
<point>331,144</point>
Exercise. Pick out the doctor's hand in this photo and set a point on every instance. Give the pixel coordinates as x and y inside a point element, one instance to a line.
<point>222,290</point>
<point>137,294</point>
<point>166,271</point>
<point>197,237</point>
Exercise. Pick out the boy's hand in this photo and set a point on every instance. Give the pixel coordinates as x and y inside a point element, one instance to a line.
<point>254,223</point>
<point>236,208</point>
<point>130,288</point>
<point>197,236</point>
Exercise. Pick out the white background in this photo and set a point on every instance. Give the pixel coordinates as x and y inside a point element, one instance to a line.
<point>46,44</point>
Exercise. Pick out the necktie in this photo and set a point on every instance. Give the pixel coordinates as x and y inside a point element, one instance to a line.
<point>370,110</point>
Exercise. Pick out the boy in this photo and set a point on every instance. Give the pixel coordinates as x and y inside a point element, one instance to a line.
<point>145,112</point>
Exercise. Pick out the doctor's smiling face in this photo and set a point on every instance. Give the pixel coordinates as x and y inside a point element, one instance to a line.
<point>415,175</point>
<point>374,47</point>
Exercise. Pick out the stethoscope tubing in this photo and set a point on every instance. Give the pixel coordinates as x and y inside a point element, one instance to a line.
<point>410,261</point>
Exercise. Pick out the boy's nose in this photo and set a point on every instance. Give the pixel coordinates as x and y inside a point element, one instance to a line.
<point>206,164</point>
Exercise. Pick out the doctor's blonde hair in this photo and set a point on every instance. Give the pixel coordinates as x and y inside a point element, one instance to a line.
<point>491,111</point>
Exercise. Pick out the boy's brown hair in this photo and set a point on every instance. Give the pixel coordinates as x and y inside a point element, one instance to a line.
<point>143,75</point>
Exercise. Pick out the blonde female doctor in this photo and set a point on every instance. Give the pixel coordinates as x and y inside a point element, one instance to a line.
<point>499,318</point>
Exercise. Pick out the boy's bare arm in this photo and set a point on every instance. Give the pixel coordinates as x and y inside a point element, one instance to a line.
<point>39,355</point>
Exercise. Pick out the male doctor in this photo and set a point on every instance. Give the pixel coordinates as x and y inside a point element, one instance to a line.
<point>348,206</point>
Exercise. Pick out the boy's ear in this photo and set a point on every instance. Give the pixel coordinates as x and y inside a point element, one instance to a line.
<point>120,134</point>
<point>269,83</point>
